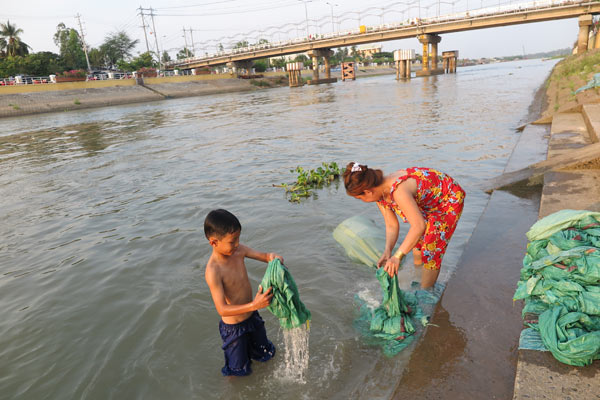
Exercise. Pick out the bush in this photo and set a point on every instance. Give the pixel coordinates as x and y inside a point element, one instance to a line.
<point>74,73</point>
<point>260,66</point>
<point>146,72</point>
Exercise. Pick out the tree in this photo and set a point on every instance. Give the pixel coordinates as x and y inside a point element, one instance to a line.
<point>10,42</point>
<point>70,47</point>
<point>97,58</point>
<point>260,65</point>
<point>221,48</point>
<point>165,57</point>
<point>302,58</point>
<point>117,47</point>
<point>280,62</point>
<point>42,64</point>
<point>184,53</point>
<point>239,45</point>
<point>145,59</point>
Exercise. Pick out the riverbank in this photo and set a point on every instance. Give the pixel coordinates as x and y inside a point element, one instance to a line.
<point>30,99</point>
<point>472,349</point>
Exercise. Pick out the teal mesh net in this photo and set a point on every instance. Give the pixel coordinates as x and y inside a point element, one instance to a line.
<point>285,304</point>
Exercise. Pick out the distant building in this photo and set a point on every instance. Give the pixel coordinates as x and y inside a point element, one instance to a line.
<point>367,51</point>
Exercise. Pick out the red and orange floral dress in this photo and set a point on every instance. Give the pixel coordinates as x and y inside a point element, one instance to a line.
<point>440,200</point>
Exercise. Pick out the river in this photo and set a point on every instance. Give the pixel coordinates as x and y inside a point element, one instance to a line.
<point>102,261</point>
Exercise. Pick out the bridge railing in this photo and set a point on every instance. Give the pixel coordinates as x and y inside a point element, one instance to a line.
<point>409,23</point>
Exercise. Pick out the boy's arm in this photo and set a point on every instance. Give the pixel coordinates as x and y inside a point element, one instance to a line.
<point>261,300</point>
<point>257,255</point>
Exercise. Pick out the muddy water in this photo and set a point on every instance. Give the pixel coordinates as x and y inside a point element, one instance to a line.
<point>101,274</point>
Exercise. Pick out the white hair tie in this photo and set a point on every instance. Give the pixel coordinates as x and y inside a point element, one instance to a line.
<point>356,167</point>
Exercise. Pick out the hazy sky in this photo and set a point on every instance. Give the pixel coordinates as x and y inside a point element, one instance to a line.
<point>212,21</point>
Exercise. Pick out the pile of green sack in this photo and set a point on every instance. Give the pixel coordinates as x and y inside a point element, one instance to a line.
<point>560,283</point>
<point>391,323</point>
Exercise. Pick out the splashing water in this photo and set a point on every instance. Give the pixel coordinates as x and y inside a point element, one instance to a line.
<point>295,355</point>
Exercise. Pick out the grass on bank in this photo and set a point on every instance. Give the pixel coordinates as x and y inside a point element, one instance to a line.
<point>567,76</point>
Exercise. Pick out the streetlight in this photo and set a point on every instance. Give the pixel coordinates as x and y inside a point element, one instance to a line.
<point>331,5</point>
<point>306,14</point>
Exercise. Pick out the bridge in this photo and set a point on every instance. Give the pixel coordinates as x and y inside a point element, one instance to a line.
<point>536,11</point>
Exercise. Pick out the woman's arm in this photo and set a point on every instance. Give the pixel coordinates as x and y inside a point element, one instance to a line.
<point>391,233</point>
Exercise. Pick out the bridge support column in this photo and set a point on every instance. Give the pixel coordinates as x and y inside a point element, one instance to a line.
<point>430,67</point>
<point>315,63</point>
<point>241,68</point>
<point>585,21</point>
<point>295,74</point>
<point>403,60</point>
<point>315,54</point>
<point>449,61</point>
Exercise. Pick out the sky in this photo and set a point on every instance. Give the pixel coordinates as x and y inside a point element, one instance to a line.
<point>227,21</point>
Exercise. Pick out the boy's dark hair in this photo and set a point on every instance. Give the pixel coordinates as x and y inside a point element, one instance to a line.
<point>220,223</point>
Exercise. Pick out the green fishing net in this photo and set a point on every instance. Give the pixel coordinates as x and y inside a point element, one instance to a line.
<point>285,304</point>
<point>389,325</point>
<point>560,283</point>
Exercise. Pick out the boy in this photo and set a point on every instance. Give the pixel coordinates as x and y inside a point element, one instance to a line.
<point>241,327</point>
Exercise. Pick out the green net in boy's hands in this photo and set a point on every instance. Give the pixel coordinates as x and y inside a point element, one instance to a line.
<point>285,304</point>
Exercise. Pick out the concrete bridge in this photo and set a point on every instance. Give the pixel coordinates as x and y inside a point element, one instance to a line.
<point>537,11</point>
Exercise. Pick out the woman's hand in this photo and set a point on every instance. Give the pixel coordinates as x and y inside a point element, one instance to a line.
<point>383,259</point>
<point>392,265</point>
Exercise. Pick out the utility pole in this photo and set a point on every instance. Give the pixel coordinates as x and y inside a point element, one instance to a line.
<point>155,37</point>
<point>144,27</point>
<point>87,59</point>
<point>187,51</point>
<point>192,37</point>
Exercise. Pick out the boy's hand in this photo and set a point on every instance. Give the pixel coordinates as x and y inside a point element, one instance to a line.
<point>262,300</point>
<point>272,256</point>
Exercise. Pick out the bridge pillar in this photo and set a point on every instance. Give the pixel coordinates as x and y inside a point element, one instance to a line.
<point>430,67</point>
<point>585,21</point>
<point>241,67</point>
<point>315,54</point>
<point>403,59</point>
<point>449,61</point>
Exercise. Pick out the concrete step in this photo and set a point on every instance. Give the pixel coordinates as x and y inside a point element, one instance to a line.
<point>568,132</point>
<point>570,146</point>
<point>591,116</point>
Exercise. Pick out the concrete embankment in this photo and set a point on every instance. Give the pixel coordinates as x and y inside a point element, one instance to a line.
<point>575,185</point>
<point>35,99</point>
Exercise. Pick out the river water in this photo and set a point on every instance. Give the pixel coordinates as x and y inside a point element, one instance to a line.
<point>102,285</point>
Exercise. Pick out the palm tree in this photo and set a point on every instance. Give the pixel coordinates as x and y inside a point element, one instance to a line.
<point>9,39</point>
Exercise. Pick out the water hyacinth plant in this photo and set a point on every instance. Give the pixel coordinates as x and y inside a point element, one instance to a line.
<point>310,179</point>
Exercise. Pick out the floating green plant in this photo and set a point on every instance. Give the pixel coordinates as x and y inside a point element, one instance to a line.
<point>308,180</point>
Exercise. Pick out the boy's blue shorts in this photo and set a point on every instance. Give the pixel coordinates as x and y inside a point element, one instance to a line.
<point>244,342</point>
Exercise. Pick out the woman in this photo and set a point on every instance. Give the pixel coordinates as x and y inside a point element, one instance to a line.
<point>429,200</point>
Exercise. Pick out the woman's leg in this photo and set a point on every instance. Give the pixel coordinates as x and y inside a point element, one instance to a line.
<point>417,259</point>
<point>429,277</point>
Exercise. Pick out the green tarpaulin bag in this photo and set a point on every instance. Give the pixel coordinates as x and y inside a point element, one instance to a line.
<point>285,304</point>
<point>560,283</point>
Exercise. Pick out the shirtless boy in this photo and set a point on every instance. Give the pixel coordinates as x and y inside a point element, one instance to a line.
<point>241,327</point>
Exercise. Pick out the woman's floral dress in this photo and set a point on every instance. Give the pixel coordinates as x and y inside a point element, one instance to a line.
<point>440,199</point>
